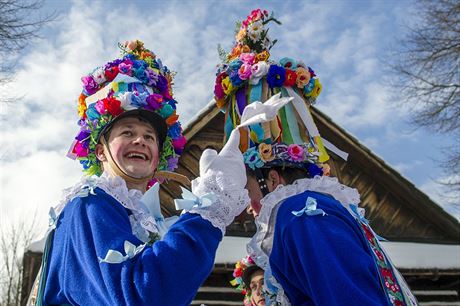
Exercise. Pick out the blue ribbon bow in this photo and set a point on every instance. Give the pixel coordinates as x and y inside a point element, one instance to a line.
<point>151,200</point>
<point>310,209</point>
<point>189,200</point>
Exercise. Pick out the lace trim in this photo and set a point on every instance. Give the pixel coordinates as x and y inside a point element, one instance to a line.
<point>262,242</point>
<point>231,199</point>
<point>142,223</point>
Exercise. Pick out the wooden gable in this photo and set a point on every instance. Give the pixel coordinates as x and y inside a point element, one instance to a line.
<point>397,210</point>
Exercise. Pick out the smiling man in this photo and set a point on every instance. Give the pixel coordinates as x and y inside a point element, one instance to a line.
<point>108,242</point>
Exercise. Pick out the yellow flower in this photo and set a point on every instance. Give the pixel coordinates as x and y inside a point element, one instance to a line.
<point>241,34</point>
<point>303,77</point>
<point>317,89</point>
<point>227,85</point>
<point>262,56</point>
<point>265,152</point>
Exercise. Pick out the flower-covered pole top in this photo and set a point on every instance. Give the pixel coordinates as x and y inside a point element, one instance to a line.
<point>241,267</point>
<point>246,75</point>
<point>136,80</point>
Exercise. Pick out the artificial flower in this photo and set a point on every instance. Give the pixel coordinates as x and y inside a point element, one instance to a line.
<point>166,111</point>
<point>138,99</point>
<point>259,70</point>
<point>126,67</point>
<point>241,34</point>
<point>245,49</point>
<point>100,107</point>
<point>80,150</point>
<point>111,73</point>
<point>276,75</point>
<point>227,85</point>
<point>92,113</point>
<point>303,77</point>
<point>113,106</point>
<point>90,86</point>
<point>252,158</point>
<point>235,78</point>
<point>308,89</point>
<point>291,77</point>
<point>255,30</point>
<point>99,75</point>
<point>262,56</point>
<point>154,101</point>
<point>317,89</point>
<point>265,152</point>
<point>244,72</point>
<point>288,63</point>
<point>247,58</point>
<point>179,143</point>
<point>295,152</point>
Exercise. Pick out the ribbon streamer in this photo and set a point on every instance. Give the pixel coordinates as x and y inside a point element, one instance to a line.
<point>310,209</point>
<point>189,200</point>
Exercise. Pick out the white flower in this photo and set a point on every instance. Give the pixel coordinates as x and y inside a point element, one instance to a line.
<point>99,75</point>
<point>125,99</point>
<point>259,70</point>
<point>254,30</point>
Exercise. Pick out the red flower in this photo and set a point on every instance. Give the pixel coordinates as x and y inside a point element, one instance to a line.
<point>111,73</point>
<point>113,106</point>
<point>291,78</point>
<point>238,272</point>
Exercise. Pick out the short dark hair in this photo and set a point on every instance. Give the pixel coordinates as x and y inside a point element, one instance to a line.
<point>290,175</point>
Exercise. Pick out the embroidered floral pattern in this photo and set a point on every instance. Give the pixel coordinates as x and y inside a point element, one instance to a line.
<point>388,278</point>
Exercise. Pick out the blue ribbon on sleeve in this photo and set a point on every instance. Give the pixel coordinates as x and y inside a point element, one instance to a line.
<point>189,200</point>
<point>310,209</point>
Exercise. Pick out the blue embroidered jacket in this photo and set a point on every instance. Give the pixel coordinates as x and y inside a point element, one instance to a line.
<point>323,260</point>
<point>167,273</point>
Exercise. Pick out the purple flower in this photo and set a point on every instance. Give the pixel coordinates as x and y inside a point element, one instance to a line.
<point>172,163</point>
<point>82,135</point>
<point>154,101</point>
<point>126,67</point>
<point>162,84</point>
<point>89,85</point>
<point>276,76</point>
<point>152,76</point>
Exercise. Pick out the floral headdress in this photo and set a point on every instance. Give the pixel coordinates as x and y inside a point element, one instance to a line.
<point>137,80</point>
<point>247,74</point>
<point>243,267</point>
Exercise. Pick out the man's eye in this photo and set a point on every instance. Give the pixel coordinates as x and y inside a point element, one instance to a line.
<point>126,133</point>
<point>149,137</point>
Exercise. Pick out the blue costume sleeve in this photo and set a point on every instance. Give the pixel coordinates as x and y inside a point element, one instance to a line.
<point>323,260</point>
<point>167,273</point>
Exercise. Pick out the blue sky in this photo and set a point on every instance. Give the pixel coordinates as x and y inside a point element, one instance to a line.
<point>345,42</point>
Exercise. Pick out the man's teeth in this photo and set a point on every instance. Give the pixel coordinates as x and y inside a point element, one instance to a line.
<point>137,155</point>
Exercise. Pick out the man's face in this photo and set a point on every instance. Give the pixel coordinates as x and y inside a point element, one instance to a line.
<point>255,194</point>
<point>257,282</point>
<point>134,147</point>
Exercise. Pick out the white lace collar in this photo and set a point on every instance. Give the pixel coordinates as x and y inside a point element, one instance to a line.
<point>141,221</point>
<point>261,244</point>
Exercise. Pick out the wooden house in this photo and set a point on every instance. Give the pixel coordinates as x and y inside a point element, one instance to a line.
<point>397,210</point>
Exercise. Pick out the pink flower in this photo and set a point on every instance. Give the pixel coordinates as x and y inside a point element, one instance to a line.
<point>80,150</point>
<point>244,72</point>
<point>295,152</point>
<point>89,84</point>
<point>247,58</point>
<point>100,107</point>
<point>179,143</point>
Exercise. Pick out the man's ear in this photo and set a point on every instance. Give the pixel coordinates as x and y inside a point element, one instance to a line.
<point>274,179</point>
<point>100,152</point>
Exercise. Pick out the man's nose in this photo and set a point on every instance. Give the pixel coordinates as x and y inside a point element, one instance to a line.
<point>139,140</point>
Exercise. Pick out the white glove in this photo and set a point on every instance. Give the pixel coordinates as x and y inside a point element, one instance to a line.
<point>223,175</point>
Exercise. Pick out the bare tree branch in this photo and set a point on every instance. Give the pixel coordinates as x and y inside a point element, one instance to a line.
<point>426,73</point>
